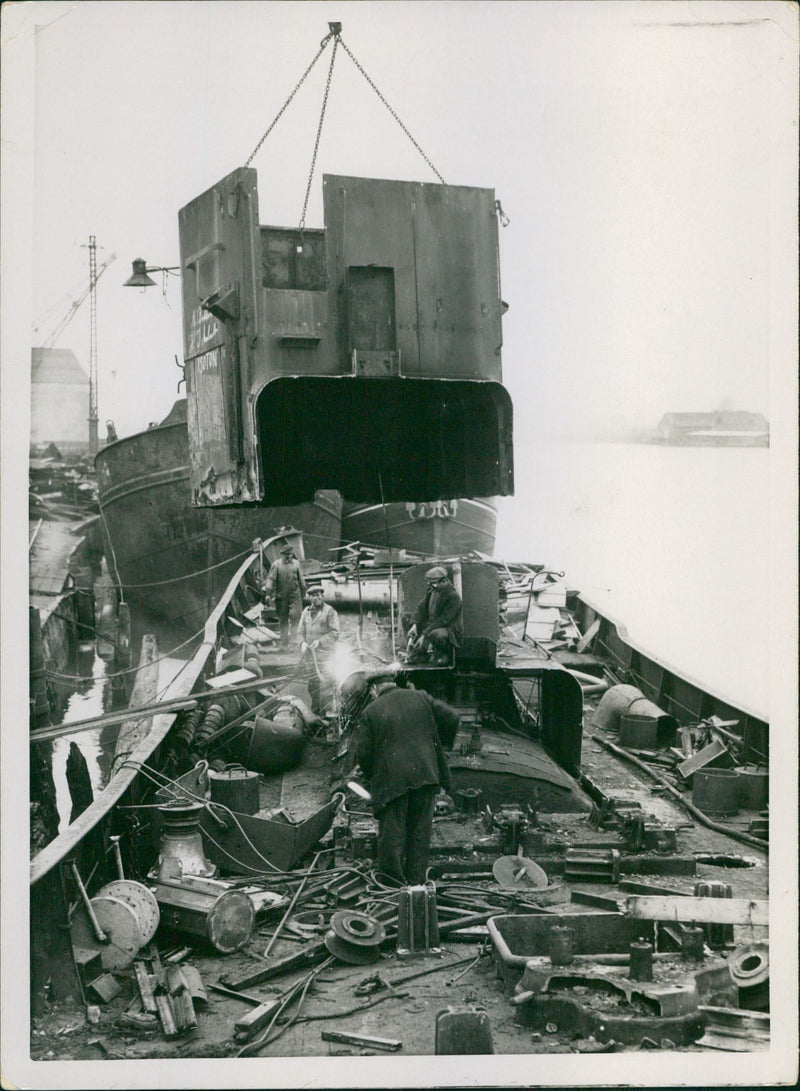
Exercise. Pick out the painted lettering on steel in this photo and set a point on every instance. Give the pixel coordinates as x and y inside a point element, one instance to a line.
<point>203,327</point>
<point>210,361</point>
<point>433,509</point>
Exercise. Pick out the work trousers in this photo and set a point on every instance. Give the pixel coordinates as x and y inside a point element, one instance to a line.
<point>289,610</point>
<point>319,682</point>
<point>404,834</point>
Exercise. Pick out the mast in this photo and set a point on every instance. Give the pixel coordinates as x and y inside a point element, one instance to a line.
<point>92,346</point>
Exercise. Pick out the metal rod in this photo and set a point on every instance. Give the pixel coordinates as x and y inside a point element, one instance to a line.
<point>360,603</point>
<point>114,839</point>
<point>98,931</point>
<point>391,570</point>
<point>528,609</point>
<point>45,734</point>
<point>297,893</point>
<point>466,969</point>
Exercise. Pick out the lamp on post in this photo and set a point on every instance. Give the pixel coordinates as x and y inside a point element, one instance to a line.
<point>140,279</point>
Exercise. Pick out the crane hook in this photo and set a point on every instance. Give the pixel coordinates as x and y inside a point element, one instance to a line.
<point>334,30</point>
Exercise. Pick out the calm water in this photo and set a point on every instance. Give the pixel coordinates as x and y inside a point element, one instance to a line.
<point>93,698</point>
<point>671,541</point>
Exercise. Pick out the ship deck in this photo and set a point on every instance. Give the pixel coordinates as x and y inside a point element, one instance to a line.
<point>460,974</point>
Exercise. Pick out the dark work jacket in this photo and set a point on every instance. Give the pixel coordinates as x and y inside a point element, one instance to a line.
<point>398,743</point>
<point>447,615</point>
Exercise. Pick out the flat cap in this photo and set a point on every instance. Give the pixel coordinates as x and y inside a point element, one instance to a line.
<point>436,573</point>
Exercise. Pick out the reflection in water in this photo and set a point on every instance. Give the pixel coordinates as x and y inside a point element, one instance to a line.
<point>89,697</point>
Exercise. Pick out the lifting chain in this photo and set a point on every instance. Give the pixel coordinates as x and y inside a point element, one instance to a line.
<point>336,39</point>
<point>391,111</point>
<point>334,33</point>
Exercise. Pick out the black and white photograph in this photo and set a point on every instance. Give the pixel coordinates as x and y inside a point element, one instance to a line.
<point>399,439</point>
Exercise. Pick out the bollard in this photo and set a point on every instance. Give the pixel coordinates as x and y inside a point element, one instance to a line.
<point>417,922</point>
<point>641,961</point>
<point>717,935</point>
<point>692,940</point>
<point>560,945</point>
<point>468,800</point>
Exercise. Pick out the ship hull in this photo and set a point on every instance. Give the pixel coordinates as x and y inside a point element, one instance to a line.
<point>174,560</point>
<point>442,528</point>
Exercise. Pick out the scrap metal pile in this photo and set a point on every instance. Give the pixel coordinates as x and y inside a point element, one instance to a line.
<point>628,965</point>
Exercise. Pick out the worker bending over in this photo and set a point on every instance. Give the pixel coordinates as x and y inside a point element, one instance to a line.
<point>438,625</point>
<point>398,744</point>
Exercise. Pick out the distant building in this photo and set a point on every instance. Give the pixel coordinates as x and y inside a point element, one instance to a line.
<point>59,401</point>
<point>722,427</point>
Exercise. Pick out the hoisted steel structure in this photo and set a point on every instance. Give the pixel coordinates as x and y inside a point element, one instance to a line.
<point>362,357</point>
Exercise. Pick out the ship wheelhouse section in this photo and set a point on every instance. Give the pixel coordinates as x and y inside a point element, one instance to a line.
<point>362,357</point>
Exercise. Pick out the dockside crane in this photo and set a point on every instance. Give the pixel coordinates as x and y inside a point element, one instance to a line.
<point>75,305</point>
<point>91,292</point>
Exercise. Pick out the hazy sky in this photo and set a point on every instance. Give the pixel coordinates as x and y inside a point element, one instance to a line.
<point>636,148</point>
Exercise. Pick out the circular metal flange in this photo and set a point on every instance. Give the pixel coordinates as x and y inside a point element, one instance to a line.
<point>141,900</point>
<point>519,873</point>
<point>357,928</point>
<point>349,952</point>
<point>749,965</point>
<point>311,923</point>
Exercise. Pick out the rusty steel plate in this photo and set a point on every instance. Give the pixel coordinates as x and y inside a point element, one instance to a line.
<point>518,873</point>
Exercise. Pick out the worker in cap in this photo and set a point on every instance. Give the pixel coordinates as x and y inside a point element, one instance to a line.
<point>398,743</point>
<point>318,631</point>
<point>285,582</point>
<point>437,623</point>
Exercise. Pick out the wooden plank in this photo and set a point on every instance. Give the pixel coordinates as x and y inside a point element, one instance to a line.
<point>365,1041</point>
<point>180,686</point>
<point>584,897</point>
<point>145,987</point>
<point>183,1009</point>
<point>254,1020</point>
<point>715,749</point>
<point>277,966</point>
<point>49,558</point>
<point>698,910</point>
<point>632,886</point>
<point>589,635</point>
<point>166,1016</point>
